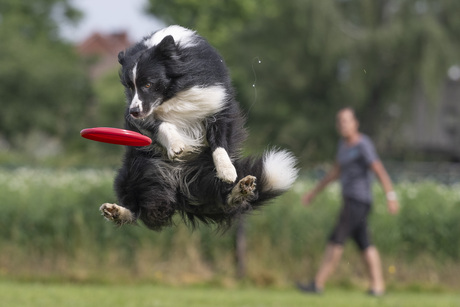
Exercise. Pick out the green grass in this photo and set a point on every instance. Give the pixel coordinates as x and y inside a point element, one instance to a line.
<point>36,294</point>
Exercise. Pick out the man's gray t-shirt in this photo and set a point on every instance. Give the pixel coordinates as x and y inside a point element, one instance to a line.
<point>355,172</point>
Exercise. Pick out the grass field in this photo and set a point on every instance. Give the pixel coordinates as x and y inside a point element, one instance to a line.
<point>37,294</point>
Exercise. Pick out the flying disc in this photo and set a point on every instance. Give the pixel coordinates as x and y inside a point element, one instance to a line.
<point>116,136</point>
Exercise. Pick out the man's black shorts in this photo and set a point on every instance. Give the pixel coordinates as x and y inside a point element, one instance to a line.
<point>352,222</point>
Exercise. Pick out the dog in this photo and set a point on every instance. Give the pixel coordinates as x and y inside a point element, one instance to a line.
<point>179,93</point>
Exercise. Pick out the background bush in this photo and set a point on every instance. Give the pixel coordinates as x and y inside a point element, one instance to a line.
<point>51,227</point>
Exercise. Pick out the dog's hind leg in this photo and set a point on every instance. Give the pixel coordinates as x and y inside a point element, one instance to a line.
<point>117,214</point>
<point>146,190</point>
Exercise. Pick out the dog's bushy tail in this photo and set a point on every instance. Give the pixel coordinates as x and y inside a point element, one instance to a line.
<point>276,171</point>
<point>279,170</point>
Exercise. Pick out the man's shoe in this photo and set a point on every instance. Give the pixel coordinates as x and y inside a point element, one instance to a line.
<point>372,292</point>
<point>310,288</point>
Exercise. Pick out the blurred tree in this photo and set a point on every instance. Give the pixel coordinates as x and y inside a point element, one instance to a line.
<point>108,92</point>
<point>318,56</point>
<point>216,20</point>
<point>43,86</point>
<point>404,48</point>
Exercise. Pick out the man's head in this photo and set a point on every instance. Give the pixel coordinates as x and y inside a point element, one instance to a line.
<point>347,123</point>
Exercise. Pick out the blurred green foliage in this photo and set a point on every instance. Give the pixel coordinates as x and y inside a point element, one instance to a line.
<point>53,215</point>
<point>294,64</point>
<point>43,86</point>
<point>318,56</point>
<point>110,100</point>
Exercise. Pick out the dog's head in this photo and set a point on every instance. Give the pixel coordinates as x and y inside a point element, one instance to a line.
<point>149,75</point>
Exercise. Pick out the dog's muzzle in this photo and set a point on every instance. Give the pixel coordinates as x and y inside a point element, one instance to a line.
<point>135,112</point>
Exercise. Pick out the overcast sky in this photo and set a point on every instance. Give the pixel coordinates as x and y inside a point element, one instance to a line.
<point>108,16</point>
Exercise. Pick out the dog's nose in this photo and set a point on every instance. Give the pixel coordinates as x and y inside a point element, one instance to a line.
<point>135,112</point>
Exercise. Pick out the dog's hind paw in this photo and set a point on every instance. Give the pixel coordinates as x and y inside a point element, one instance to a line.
<point>244,190</point>
<point>117,214</point>
<point>247,185</point>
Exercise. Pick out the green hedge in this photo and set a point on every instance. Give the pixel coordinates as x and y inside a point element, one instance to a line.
<point>52,214</point>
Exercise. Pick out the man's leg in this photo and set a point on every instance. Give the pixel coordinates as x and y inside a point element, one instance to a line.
<point>332,254</point>
<point>330,260</point>
<point>372,259</point>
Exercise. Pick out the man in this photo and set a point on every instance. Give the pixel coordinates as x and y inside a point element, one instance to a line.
<point>355,159</point>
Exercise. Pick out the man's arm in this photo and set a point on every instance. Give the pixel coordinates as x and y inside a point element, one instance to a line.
<point>382,175</point>
<point>332,175</point>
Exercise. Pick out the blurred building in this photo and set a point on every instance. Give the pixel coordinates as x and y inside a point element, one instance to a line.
<point>435,127</point>
<point>101,51</point>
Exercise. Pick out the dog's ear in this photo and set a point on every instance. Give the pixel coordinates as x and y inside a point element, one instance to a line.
<point>121,57</point>
<point>167,48</point>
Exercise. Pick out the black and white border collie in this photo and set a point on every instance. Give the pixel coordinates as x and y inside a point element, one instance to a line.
<point>179,93</point>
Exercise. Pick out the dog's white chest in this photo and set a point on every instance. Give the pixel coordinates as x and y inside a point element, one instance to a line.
<point>187,111</point>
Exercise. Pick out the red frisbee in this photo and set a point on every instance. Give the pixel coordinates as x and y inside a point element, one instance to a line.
<point>116,136</point>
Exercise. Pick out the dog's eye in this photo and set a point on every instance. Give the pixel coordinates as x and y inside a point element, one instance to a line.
<point>148,85</point>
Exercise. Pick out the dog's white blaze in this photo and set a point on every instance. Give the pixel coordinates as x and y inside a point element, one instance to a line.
<point>134,74</point>
<point>182,36</point>
<point>187,109</point>
<point>224,166</point>
<point>136,102</point>
<point>279,171</point>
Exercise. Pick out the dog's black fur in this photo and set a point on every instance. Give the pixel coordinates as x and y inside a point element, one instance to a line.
<point>179,93</point>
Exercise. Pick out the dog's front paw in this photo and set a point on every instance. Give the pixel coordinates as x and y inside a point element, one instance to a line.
<point>224,166</point>
<point>109,211</point>
<point>176,150</point>
<point>116,214</point>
